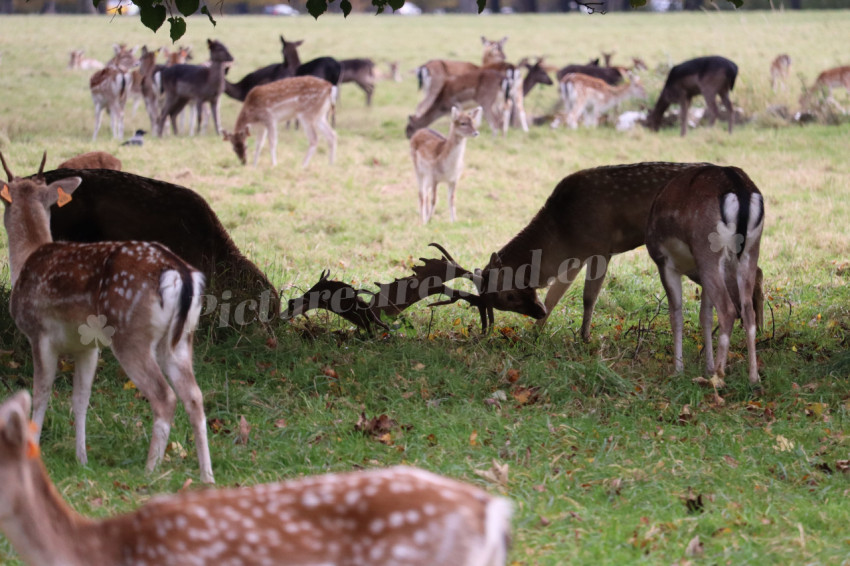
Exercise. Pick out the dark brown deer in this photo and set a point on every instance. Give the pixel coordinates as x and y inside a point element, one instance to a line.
<point>184,83</point>
<point>706,224</point>
<point>360,72</point>
<point>267,74</point>
<point>709,76</point>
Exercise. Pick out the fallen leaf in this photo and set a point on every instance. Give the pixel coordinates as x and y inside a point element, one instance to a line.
<point>733,463</point>
<point>330,372</point>
<point>544,522</point>
<point>129,385</point>
<point>783,444</point>
<point>419,366</point>
<point>695,547</point>
<point>693,502</point>
<point>685,415</point>
<point>473,438</point>
<point>498,474</point>
<point>280,423</point>
<point>513,375</point>
<point>244,431</point>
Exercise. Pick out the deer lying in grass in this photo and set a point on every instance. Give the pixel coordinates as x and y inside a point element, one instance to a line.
<point>709,76</point>
<point>384,517</point>
<point>589,217</point>
<point>779,71</point>
<point>307,98</point>
<point>80,61</point>
<point>71,298</point>
<point>184,83</point>
<point>706,224</point>
<point>584,94</point>
<point>360,72</point>
<point>438,159</point>
<point>92,160</point>
<point>828,80</point>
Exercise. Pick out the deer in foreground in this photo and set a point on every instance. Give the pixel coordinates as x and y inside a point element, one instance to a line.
<point>779,71</point>
<point>383,517</point>
<point>72,298</point>
<point>706,224</point>
<point>309,99</point>
<point>438,159</point>
<point>184,83</point>
<point>590,216</point>
<point>92,160</point>
<point>709,76</point>
<point>829,79</point>
<point>585,94</point>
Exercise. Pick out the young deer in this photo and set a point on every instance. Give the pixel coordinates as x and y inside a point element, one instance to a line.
<point>92,160</point>
<point>80,61</point>
<point>582,93</point>
<point>384,517</point>
<point>779,71</point>
<point>307,98</point>
<point>360,72</point>
<point>438,159</point>
<point>707,224</point>
<point>71,298</point>
<point>829,79</point>
<point>109,89</point>
<point>184,83</point>
<point>145,85</point>
<point>709,76</point>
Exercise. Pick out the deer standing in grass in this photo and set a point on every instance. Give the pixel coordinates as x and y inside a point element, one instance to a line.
<point>72,298</point>
<point>439,159</point>
<point>706,224</point>
<point>109,88</point>
<point>829,79</point>
<point>779,71</point>
<point>397,516</point>
<point>307,98</point>
<point>585,94</point>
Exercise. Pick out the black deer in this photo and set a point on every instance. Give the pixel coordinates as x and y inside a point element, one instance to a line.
<point>709,76</point>
<point>362,73</point>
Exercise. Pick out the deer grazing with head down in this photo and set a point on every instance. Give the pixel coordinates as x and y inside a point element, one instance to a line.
<point>706,224</point>
<point>709,76</point>
<point>309,99</point>
<point>438,159</point>
<point>828,80</point>
<point>584,94</point>
<point>779,71</point>
<point>383,517</point>
<point>72,298</point>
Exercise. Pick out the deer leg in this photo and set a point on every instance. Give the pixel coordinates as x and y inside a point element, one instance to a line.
<point>684,106</point>
<point>519,110</point>
<point>261,140</point>
<point>711,105</point>
<point>559,286</point>
<point>216,114</point>
<point>98,117</point>
<point>747,280</point>
<point>452,186</point>
<point>85,364</point>
<point>199,117</point>
<point>424,184</point>
<point>672,282</point>
<point>272,130</point>
<point>714,286</point>
<point>370,89</point>
<point>433,185</point>
<point>593,280</point>
<point>312,138</point>
<point>44,361</point>
<point>727,103</point>
<point>330,135</point>
<point>706,320</point>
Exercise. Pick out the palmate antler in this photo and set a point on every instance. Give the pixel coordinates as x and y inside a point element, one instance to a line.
<point>428,279</point>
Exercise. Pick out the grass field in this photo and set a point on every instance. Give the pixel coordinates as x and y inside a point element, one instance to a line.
<point>612,459</point>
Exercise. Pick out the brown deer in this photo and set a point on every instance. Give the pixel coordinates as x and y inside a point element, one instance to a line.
<point>828,80</point>
<point>110,87</point>
<point>69,298</point>
<point>92,160</point>
<point>308,98</point>
<point>438,159</point>
<point>585,94</point>
<point>360,72</point>
<point>78,60</point>
<point>779,71</point>
<point>706,224</point>
<point>381,517</point>
<point>183,83</point>
<point>145,85</point>
<point>709,76</point>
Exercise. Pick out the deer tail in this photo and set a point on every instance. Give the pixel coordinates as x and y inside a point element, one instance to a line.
<point>744,204</point>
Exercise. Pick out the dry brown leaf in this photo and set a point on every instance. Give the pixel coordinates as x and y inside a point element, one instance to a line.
<point>685,415</point>
<point>733,463</point>
<point>244,431</point>
<point>473,438</point>
<point>513,375</point>
<point>280,423</point>
<point>330,372</point>
<point>498,474</point>
<point>695,547</point>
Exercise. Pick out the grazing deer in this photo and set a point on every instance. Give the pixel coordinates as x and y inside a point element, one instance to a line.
<point>438,159</point>
<point>307,98</point>
<point>779,71</point>
<point>383,517</point>
<point>184,83</point>
<point>71,298</point>
<point>583,93</point>
<point>92,160</point>
<point>706,224</point>
<point>362,73</point>
<point>829,79</point>
<point>709,76</point>
<point>79,61</point>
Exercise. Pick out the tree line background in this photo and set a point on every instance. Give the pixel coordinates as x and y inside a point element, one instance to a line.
<point>469,6</point>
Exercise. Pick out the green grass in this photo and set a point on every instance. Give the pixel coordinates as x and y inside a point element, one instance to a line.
<point>602,456</point>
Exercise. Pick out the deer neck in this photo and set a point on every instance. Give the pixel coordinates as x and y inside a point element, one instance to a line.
<point>533,247</point>
<point>28,229</point>
<point>216,76</point>
<point>44,530</point>
<point>453,146</point>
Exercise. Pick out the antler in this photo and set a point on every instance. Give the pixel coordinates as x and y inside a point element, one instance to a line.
<point>40,175</point>
<point>337,297</point>
<point>6,168</point>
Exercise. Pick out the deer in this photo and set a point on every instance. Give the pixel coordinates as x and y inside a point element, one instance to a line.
<point>308,98</point>
<point>438,158</point>
<point>590,216</point>
<point>72,298</point>
<point>709,76</point>
<point>109,88</point>
<point>78,60</point>
<point>183,83</point>
<point>610,75</point>
<point>362,73</point>
<point>779,68</point>
<point>706,224</point>
<point>583,93</point>
<point>267,74</point>
<point>382,517</point>
<point>146,84</point>
<point>92,160</point>
<point>829,79</point>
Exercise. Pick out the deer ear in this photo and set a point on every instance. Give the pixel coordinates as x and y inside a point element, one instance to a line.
<point>495,260</point>
<point>59,192</point>
<point>476,114</point>
<point>14,417</point>
<point>455,112</point>
<point>503,41</point>
<point>483,40</point>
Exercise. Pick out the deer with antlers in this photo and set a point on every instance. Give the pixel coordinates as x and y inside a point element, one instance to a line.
<point>69,298</point>
<point>382,517</point>
<point>706,224</point>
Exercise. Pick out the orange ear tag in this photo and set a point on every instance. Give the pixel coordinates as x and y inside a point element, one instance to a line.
<point>5,193</point>
<point>63,199</point>
<point>33,451</point>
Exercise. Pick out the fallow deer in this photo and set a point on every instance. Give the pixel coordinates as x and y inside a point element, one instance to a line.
<point>80,61</point>
<point>145,85</point>
<point>362,73</point>
<point>92,160</point>
<point>779,71</point>
<point>309,99</point>
<point>584,94</point>
<point>109,88</point>
<point>706,224</point>
<point>184,83</point>
<point>709,76</point>
<point>829,79</point>
<point>438,159</point>
<point>382,517</point>
<point>70,298</point>
<point>610,75</point>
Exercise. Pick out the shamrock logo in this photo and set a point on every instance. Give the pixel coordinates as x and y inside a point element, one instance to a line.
<point>95,330</point>
<point>725,240</point>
